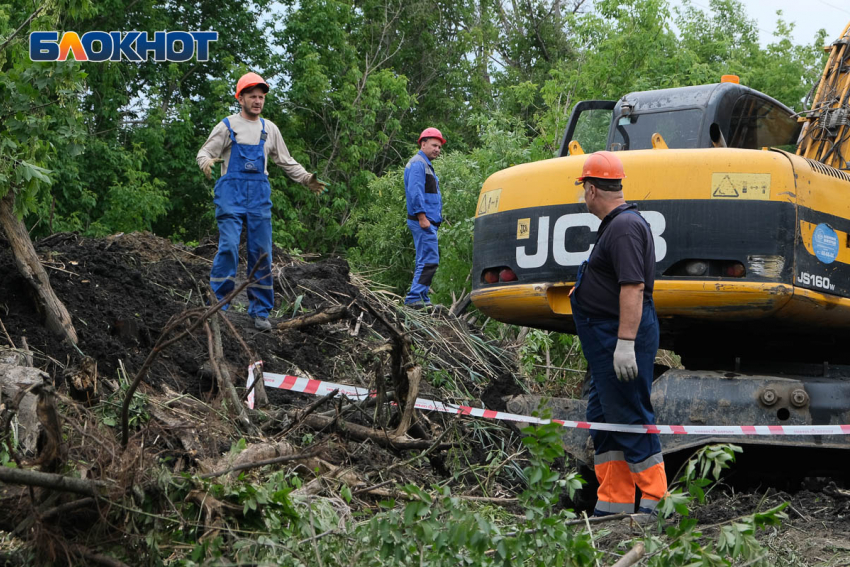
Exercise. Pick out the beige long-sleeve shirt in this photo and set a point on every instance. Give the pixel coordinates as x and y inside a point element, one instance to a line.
<point>248,132</point>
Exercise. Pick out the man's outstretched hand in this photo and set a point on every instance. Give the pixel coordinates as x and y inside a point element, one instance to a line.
<point>314,185</point>
<point>208,166</point>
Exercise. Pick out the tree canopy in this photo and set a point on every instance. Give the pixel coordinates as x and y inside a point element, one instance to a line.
<point>106,147</point>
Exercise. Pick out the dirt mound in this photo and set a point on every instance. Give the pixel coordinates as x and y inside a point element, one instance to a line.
<point>121,291</point>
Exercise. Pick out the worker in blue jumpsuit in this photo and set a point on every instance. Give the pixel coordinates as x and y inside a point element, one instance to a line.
<point>616,321</point>
<point>424,214</point>
<point>243,194</point>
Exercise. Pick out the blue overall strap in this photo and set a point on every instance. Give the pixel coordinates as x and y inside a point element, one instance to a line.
<point>236,144</point>
<point>229,129</point>
<point>263,134</point>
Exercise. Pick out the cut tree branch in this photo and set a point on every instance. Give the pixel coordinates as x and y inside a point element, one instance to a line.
<point>255,464</point>
<point>360,433</point>
<point>633,556</point>
<point>326,316</point>
<point>53,481</point>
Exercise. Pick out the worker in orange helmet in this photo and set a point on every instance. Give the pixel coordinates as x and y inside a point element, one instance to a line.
<point>424,214</point>
<point>615,319</point>
<point>243,143</point>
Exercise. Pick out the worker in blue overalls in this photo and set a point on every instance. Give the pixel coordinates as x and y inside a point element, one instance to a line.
<point>243,143</point>
<point>424,214</point>
<point>616,322</point>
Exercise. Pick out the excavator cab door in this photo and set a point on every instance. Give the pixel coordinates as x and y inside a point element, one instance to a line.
<point>589,124</point>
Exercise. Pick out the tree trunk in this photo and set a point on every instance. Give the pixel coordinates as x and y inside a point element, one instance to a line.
<point>58,320</point>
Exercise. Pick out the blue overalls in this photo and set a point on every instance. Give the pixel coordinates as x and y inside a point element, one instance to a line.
<point>621,460</point>
<point>422,190</point>
<point>243,198</point>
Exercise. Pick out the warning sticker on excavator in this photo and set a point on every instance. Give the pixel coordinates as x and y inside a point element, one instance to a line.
<point>489,202</point>
<point>750,186</point>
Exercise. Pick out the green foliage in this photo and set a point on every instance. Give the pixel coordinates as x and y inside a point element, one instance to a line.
<point>39,119</point>
<point>109,409</point>
<point>707,463</point>
<point>564,373</point>
<point>685,545</point>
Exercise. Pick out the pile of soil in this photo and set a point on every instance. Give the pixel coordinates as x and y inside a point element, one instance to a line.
<point>121,291</point>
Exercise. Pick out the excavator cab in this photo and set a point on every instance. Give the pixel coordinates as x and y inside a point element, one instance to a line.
<point>706,116</point>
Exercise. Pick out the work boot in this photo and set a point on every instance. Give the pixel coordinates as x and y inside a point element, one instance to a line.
<point>262,324</point>
<point>645,517</point>
<point>417,305</point>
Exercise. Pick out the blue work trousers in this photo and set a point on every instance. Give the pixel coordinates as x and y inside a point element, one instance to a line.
<point>622,460</point>
<point>259,241</point>
<point>427,261</point>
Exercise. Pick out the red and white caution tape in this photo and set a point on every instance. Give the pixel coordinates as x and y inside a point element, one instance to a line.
<point>322,388</point>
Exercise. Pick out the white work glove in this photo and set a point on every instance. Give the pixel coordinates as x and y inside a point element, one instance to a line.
<point>314,185</point>
<point>208,166</point>
<point>625,363</point>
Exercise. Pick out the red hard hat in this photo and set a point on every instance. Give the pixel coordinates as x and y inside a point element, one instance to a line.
<point>604,165</point>
<point>431,133</point>
<point>249,80</point>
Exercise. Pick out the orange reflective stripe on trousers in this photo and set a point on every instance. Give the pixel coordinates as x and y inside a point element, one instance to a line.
<point>651,477</point>
<point>616,493</point>
<point>617,481</point>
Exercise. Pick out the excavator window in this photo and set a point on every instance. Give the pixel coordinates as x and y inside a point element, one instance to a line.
<point>591,130</point>
<point>680,129</point>
<point>757,123</point>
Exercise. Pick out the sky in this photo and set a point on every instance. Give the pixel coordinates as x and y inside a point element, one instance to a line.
<point>808,15</point>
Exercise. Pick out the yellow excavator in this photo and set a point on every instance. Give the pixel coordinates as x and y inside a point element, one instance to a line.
<point>749,206</point>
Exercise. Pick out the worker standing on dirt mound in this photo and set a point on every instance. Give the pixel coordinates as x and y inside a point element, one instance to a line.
<point>424,214</point>
<point>616,322</point>
<point>243,143</point>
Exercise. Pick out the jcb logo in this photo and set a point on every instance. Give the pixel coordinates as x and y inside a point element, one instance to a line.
<point>528,260</point>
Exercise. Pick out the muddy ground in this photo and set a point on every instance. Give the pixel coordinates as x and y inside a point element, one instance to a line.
<point>122,291</point>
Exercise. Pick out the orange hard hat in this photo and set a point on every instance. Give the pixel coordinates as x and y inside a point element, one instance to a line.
<point>431,133</point>
<point>249,80</point>
<point>604,165</point>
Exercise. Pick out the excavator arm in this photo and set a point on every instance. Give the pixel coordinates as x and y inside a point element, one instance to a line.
<point>826,133</point>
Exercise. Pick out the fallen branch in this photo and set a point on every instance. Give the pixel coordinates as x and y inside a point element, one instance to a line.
<point>414,377</point>
<point>596,520</point>
<point>360,433</point>
<point>57,319</point>
<point>46,512</point>
<point>300,416</point>
<point>633,556</point>
<point>490,500</point>
<point>67,507</point>
<point>421,455</point>
<point>255,464</point>
<point>258,386</point>
<point>93,557</point>
<point>219,366</point>
<point>5,332</point>
<point>51,480</point>
<point>326,316</point>
<point>373,487</point>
